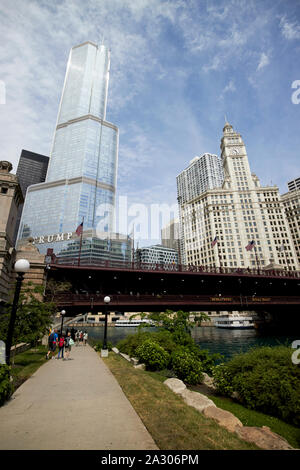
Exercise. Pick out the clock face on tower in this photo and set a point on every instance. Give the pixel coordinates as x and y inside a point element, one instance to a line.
<point>235,151</point>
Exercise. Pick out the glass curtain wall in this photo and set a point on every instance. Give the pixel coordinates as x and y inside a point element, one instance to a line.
<point>82,172</point>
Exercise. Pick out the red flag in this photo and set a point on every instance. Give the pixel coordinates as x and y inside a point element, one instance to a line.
<point>214,241</point>
<point>250,245</point>
<point>79,229</point>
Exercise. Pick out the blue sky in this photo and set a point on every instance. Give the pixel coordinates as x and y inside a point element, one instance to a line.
<point>177,67</point>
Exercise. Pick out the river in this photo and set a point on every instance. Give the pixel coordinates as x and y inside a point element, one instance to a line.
<point>215,340</point>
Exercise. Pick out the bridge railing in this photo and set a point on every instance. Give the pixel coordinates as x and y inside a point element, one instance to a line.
<point>98,299</point>
<point>180,268</point>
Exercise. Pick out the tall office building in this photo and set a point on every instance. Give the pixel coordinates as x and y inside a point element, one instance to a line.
<point>291,203</point>
<point>81,178</point>
<point>32,169</point>
<point>156,254</point>
<point>170,235</point>
<point>238,213</point>
<point>294,184</point>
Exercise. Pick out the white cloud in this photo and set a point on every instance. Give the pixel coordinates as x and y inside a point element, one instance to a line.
<point>264,60</point>
<point>289,30</point>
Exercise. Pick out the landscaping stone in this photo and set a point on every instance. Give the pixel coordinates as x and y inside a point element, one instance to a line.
<point>224,418</point>
<point>115,350</point>
<point>197,400</point>
<point>140,366</point>
<point>125,356</point>
<point>263,437</point>
<point>176,385</point>
<point>208,381</point>
<point>134,361</point>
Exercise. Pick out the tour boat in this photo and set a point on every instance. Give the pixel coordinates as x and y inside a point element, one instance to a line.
<point>134,322</point>
<point>234,322</point>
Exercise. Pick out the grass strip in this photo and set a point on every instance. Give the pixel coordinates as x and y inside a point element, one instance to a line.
<point>26,363</point>
<point>172,424</point>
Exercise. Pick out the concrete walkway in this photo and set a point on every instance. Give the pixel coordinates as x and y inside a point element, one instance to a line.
<point>75,404</point>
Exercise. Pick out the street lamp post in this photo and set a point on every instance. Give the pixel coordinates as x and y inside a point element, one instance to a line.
<point>62,314</point>
<point>104,350</point>
<point>21,267</point>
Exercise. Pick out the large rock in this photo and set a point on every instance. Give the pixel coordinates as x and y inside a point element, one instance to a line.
<point>125,356</point>
<point>224,418</point>
<point>263,437</point>
<point>208,381</point>
<point>197,400</point>
<point>176,385</point>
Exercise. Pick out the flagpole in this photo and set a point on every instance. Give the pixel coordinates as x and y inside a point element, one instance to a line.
<point>219,258</point>
<point>257,262</point>
<point>133,248</point>
<point>80,245</point>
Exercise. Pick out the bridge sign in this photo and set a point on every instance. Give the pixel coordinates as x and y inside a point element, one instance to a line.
<point>2,353</point>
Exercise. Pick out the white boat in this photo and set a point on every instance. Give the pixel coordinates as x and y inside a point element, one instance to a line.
<point>134,322</point>
<point>234,322</point>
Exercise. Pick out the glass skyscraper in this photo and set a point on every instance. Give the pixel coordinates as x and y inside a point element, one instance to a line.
<point>81,178</point>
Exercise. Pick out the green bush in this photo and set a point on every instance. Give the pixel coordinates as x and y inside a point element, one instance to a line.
<point>99,345</point>
<point>6,387</point>
<point>129,344</point>
<point>208,360</point>
<point>186,366</point>
<point>154,356</point>
<point>266,380</point>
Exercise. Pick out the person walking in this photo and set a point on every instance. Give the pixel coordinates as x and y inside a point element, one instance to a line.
<point>52,340</point>
<point>61,347</point>
<point>68,346</point>
<point>85,337</point>
<point>77,334</point>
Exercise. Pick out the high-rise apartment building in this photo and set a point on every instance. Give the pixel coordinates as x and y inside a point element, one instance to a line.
<point>81,178</point>
<point>234,215</point>
<point>291,204</point>
<point>205,172</point>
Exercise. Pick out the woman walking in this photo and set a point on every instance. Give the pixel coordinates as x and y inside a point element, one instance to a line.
<point>68,345</point>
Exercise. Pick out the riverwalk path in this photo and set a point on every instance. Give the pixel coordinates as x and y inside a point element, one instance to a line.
<point>74,404</point>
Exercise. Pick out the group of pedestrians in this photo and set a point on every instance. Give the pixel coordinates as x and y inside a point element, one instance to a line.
<point>81,337</point>
<point>64,343</point>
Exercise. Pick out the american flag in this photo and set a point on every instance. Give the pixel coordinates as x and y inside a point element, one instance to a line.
<point>250,245</point>
<point>79,229</point>
<point>215,240</point>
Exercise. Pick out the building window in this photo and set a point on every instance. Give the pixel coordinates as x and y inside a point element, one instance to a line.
<point>4,190</point>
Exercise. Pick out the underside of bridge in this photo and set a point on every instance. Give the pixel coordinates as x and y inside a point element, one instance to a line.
<point>134,290</point>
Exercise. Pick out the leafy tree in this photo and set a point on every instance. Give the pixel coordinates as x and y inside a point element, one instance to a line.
<point>33,317</point>
<point>200,317</point>
<point>53,288</point>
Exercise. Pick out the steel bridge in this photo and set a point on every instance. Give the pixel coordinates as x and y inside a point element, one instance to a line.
<point>140,287</point>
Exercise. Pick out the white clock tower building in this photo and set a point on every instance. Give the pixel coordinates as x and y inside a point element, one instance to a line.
<point>238,213</point>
